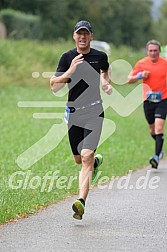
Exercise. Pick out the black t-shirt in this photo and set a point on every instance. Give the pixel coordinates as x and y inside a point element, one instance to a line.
<point>85,81</point>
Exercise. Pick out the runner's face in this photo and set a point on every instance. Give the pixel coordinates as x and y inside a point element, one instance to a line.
<point>153,52</point>
<point>82,39</point>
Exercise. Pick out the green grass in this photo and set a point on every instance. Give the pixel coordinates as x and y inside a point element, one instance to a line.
<point>127,149</point>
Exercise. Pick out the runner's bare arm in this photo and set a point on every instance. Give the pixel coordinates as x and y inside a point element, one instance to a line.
<point>138,76</point>
<point>105,81</point>
<point>58,82</point>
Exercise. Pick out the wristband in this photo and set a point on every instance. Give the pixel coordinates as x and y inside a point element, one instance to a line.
<point>139,76</point>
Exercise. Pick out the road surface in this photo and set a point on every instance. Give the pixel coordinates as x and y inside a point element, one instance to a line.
<point>127,214</point>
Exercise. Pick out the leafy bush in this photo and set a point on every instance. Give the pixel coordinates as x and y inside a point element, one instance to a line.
<point>20,25</point>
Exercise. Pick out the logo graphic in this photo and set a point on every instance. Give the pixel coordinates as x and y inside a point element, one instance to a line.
<point>124,106</point>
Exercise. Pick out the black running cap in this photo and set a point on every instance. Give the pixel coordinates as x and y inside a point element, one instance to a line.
<point>83,25</point>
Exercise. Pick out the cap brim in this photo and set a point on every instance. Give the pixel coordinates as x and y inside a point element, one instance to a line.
<point>82,27</point>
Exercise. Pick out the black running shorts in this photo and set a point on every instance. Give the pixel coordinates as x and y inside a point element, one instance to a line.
<point>155,110</point>
<point>84,128</point>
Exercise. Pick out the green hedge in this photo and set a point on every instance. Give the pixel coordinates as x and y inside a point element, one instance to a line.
<point>20,25</point>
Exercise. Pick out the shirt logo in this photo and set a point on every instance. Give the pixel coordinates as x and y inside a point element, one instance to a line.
<point>95,62</point>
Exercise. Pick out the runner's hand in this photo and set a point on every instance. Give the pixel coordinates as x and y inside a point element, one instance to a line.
<point>75,62</point>
<point>145,74</point>
<point>107,87</point>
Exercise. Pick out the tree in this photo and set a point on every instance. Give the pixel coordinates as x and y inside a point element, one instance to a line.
<point>121,22</point>
<point>118,21</point>
<point>161,24</point>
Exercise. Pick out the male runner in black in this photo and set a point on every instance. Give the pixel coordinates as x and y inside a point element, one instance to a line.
<point>81,68</point>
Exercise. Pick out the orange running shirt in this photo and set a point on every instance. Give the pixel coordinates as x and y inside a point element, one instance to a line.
<point>157,80</point>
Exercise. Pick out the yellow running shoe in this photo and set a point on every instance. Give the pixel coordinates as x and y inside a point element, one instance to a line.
<point>78,208</point>
<point>99,161</point>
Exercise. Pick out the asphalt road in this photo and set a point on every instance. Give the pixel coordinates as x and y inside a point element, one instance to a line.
<point>129,214</point>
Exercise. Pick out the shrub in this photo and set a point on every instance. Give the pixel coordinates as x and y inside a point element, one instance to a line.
<point>20,25</point>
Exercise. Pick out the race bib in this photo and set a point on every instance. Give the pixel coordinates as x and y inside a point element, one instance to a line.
<point>67,114</point>
<point>154,96</point>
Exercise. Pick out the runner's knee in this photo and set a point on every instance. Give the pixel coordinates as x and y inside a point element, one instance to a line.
<point>87,157</point>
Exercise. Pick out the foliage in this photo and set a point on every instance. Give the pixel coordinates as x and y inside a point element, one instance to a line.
<point>123,23</point>
<point>19,59</point>
<point>20,25</point>
<point>161,24</point>
<point>120,22</point>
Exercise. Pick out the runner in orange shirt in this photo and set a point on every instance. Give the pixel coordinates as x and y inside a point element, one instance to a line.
<point>152,70</point>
